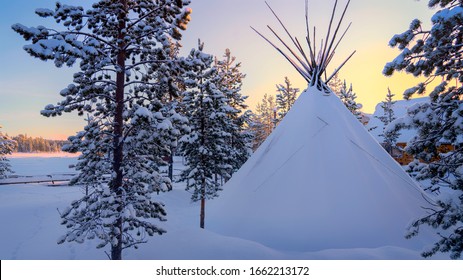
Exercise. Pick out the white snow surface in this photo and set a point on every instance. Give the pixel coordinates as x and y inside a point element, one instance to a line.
<point>320,182</point>
<point>28,166</point>
<point>293,216</point>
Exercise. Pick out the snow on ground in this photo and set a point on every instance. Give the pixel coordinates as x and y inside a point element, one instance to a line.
<point>31,226</point>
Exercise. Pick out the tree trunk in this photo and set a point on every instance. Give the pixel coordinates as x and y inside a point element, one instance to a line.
<point>202,215</point>
<point>118,147</point>
<point>171,164</point>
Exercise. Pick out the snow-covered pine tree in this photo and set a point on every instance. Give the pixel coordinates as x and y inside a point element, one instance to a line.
<point>336,84</point>
<point>389,136</point>
<point>285,99</point>
<point>170,77</point>
<point>264,120</point>
<point>7,146</point>
<point>119,46</point>
<point>436,53</point>
<point>205,147</point>
<point>348,97</point>
<point>257,129</point>
<point>179,124</point>
<point>231,81</point>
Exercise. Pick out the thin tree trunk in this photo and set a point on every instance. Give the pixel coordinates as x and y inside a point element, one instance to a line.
<point>171,164</point>
<point>172,149</point>
<point>118,147</point>
<point>202,215</point>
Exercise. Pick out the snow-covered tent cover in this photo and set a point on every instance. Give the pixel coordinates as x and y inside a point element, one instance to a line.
<point>320,181</point>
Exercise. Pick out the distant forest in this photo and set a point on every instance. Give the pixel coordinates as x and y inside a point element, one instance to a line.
<point>28,144</point>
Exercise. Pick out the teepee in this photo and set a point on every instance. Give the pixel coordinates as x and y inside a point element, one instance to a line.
<point>320,181</point>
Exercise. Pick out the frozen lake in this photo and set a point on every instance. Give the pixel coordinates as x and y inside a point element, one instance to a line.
<point>42,164</point>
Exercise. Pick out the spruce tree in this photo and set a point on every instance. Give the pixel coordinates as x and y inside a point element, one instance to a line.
<point>389,135</point>
<point>7,146</point>
<point>230,83</point>
<point>336,84</point>
<point>257,130</point>
<point>435,54</point>
<point>170,77</point>
<point>205,147</point>
<point>119,47</point>
<point>285,98</point>
<point>348,97</point>
<point>263,120</point>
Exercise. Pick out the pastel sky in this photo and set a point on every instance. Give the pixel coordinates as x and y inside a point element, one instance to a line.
<point>28,84</point>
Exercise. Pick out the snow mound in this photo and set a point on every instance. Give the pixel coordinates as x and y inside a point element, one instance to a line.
<point>320,182</point>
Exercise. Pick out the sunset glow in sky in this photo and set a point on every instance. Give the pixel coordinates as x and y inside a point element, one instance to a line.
<point>28,84</point>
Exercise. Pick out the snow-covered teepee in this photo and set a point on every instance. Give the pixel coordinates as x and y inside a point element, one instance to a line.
<point>320,181</point>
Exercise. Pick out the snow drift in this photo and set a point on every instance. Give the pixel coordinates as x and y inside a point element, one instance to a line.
<point>319,182</point>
